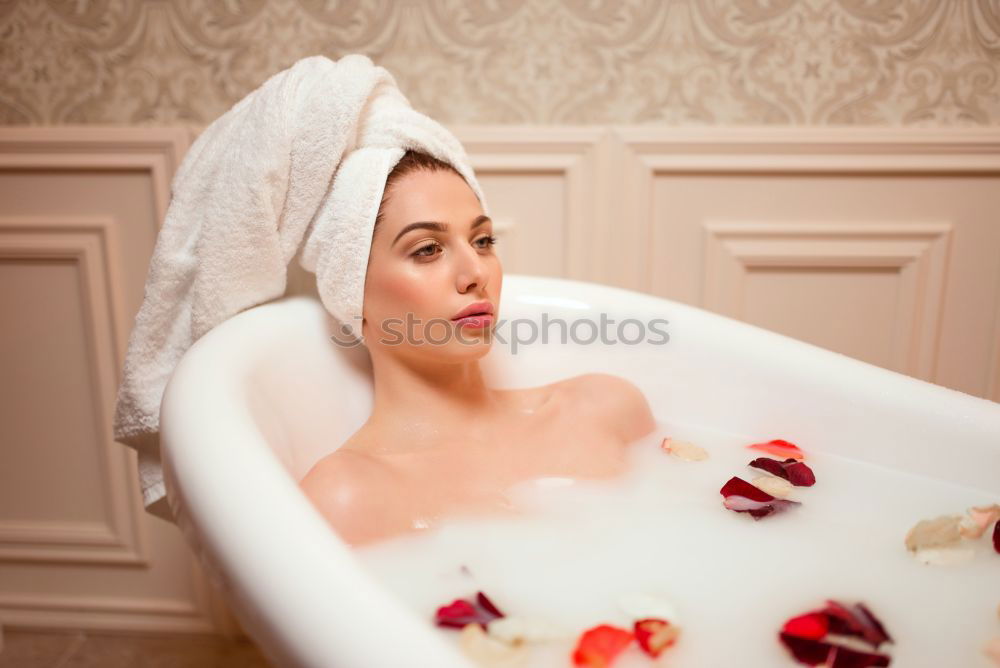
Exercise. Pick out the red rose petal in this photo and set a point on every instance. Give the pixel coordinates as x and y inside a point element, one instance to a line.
<point>772,466</point>
<point>779,447</point>
<point>996,536</point>
<point>879,631</point>
<point>796,472</point>
<point>812,652</point>
<point>460,612</point>
<point>600,645</point>
<point>812,625</point>
<point>845,657</point>
<point>655,635</point>
<point>487,604</point>
<point>742,497</point>
<point>737,486</point>
<point>808,651</point>
<point>806,636</point>
<point>456,610</point>
<point>799,473</point>
<point>856,621</point>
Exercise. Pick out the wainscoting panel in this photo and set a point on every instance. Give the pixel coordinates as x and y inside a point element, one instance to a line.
<point>79,212</point>
<point>882,244</point>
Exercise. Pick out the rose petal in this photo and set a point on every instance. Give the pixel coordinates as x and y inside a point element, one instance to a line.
<point>772,466</point>
<point>487,604</point>
<point>643,606</point>
<point>455,614</point>
<point>489,652</point>
<point>938,532</point>
<point>874,622</point>
<point>807,636</point>
<point>757,509</point>
<point>743,497</point>
<point>655,635</point>
<point>519,630</point>
<point>460,612</point>
<point>599,646</point>
<point>779,447</point>
<point>796,472</point>
<point>809,651</point>
<point>813,625</point>
<point>688,452</point>
<point>814,652</point>
<point>800,474</point>
<point>774,486</point>
<point>856,620</point>
<point>979,518</point>
<point>739,487</point>
<point>944,556</point>
<point>845,657</point>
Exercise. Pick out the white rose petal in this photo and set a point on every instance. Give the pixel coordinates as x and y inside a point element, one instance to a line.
<point>689,452</point>
<point>647,606</point>
<point>773,485</point>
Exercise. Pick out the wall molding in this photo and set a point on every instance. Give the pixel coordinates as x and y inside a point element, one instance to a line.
<point>158,151</point>
<point>150,614</point>
<point>828,150</point>
<point>918,252</point>
<point>91,244</point>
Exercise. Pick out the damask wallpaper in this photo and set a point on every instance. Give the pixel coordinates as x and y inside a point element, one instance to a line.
<point>670,62</point>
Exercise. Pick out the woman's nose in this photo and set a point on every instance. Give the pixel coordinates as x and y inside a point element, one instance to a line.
<point>471,271</point>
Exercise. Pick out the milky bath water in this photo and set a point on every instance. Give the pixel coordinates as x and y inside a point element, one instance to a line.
<point>661,529</point>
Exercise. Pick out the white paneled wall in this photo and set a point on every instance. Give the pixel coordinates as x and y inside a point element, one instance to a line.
<point>79,213</point>
<point>883,244</point>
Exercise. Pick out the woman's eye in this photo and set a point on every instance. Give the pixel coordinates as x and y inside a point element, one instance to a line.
<point>490,241</point>
<point>422,251</point>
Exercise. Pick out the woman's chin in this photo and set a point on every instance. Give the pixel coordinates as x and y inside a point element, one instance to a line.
<point>472,348</point>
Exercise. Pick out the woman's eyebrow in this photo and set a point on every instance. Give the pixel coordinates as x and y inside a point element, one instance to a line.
<point>437,226</point>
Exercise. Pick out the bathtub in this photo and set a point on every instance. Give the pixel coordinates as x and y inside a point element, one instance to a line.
<point>259,399</point>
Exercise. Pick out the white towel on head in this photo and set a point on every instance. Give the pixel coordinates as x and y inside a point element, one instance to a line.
<point>300,162</point>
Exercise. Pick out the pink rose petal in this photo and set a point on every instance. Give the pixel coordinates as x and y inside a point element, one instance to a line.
<point>979,519</point>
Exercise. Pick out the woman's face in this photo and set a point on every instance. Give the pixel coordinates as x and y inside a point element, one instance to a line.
<point>431,257</point>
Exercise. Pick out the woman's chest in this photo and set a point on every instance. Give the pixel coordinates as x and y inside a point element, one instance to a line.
<point>479,471</point>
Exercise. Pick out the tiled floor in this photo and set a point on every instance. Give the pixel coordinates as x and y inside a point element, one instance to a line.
<point>87,649</point>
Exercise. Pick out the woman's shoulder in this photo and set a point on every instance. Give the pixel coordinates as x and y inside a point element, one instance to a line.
<point>615,400</point>
<point>342,486</point>
<point>336,463</point>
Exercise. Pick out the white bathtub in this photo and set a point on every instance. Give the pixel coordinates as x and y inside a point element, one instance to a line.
<point>258,400</point>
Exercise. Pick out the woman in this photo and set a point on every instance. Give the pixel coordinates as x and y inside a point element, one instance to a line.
<point>439,442</point>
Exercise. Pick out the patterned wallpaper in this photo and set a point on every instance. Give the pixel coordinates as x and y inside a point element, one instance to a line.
<point>671,62</point>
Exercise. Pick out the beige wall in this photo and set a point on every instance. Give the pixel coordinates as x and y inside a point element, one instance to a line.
<point>879,242</point>
<point>668,62</point>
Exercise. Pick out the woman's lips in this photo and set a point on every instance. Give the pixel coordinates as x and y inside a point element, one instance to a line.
<point>475,308</point>
<point>475,321</point>
<point>476,315</point>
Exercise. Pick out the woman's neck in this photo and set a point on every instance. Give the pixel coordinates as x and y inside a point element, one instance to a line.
<point>430,404</point>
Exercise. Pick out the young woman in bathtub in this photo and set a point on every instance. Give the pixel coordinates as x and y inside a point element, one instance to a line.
<point>439,442</point>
